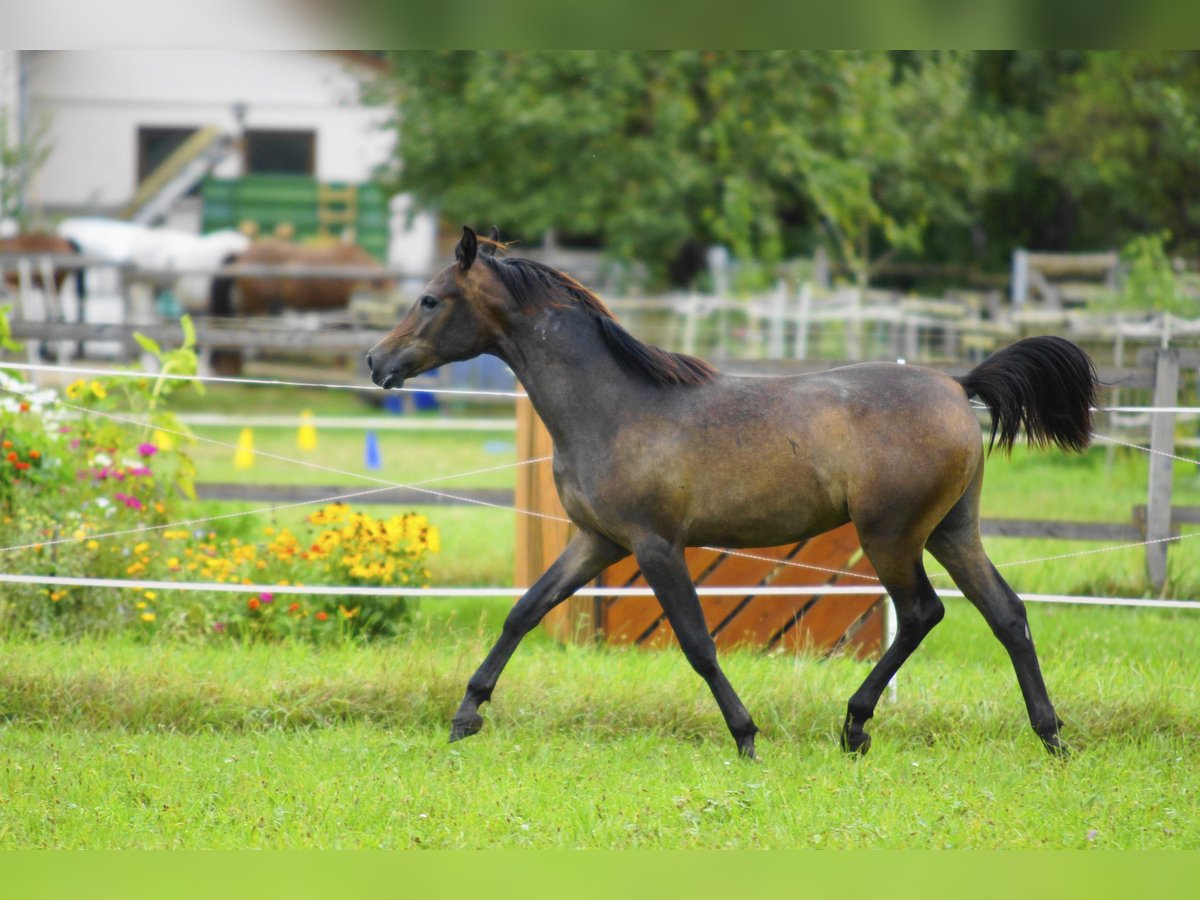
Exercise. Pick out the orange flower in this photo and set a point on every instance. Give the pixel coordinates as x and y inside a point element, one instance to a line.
<point>322,616</point>
<point>254,603</point>
<point>6,445</point>
<point>35,454</point>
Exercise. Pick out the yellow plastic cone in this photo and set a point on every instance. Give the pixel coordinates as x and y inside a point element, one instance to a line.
<point>307,439</point>
<point>244,458</point>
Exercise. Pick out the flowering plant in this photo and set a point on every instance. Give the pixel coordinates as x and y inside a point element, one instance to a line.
<point>82,493</point>
<point>333,545</point>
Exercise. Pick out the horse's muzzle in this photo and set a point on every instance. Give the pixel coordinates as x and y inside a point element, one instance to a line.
<point>384,379</point>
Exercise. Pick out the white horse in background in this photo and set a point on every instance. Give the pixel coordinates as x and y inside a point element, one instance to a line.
<point>161,250</point>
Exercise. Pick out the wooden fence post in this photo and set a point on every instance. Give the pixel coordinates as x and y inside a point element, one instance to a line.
<point>540,539</point>
<point>1162,441</point>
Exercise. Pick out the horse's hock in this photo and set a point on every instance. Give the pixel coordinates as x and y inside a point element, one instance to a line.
<point>851,623</point>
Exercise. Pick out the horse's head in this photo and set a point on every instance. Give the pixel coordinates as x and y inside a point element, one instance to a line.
<point>458,316</point>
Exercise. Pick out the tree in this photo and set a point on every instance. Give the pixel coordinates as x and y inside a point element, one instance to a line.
<point>1124,136</point>
<point>658,154</point>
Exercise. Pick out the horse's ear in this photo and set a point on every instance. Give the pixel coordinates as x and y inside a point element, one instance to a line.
<point>489,247</point>
<point>466,249</point>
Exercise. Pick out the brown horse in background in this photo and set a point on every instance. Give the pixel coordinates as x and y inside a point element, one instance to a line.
<point>41,243</point>
<point>253,295</point>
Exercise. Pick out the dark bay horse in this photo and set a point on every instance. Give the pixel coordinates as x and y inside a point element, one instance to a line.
<point>655,451</point>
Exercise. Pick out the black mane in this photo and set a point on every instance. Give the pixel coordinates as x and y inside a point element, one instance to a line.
<point>533,285</point>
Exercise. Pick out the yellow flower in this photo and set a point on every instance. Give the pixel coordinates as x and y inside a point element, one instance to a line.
<point>148,617</point>
<point>92,545</point>
<point>150,595</point>
<point>75,389</point>
<point>56,596</point>
<point>141,548</point>
<point>98,390</point>
<point>349,613</point>
<point>141,604</point>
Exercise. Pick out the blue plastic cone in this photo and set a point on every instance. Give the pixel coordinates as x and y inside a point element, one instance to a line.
<point>371,455</point>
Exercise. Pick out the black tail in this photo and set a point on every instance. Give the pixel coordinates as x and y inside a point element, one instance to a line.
<point>1046,385</point>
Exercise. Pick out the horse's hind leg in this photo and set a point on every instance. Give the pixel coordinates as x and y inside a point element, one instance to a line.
<point>918,610</point>
<point>584,558</point>
<point>956,545</point>
<point>665,569</point>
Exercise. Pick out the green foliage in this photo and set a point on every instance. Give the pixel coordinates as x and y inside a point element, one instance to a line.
<point>1150,282</point>
<point>1125,136</point>
<point>654,153</point>
<point>6,338</point>
<point>937,156</point>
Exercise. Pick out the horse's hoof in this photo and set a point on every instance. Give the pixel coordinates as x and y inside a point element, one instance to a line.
<point>858,743</point>
<point>1056,747</point>
<point>462,728</point>
<point>746,750</point>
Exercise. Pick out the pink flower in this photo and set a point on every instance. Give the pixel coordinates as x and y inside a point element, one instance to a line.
<point>138,471</point>
<point>219,627</point>
<point>147,449</point>
<point>266,597</point>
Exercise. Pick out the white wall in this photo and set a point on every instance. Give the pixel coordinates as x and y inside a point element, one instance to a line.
<point>97,100</point>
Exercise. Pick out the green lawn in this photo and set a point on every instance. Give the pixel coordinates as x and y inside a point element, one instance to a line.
<point>116,744</point>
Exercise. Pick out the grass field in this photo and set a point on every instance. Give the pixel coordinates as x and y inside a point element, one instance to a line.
<point>115,744</point>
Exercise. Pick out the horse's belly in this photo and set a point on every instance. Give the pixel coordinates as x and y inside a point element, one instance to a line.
<point>763,515</point>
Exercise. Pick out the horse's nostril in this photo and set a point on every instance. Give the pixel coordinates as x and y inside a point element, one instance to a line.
<point>369,366</point>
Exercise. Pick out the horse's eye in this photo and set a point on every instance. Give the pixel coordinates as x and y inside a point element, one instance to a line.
<point>428,302</point>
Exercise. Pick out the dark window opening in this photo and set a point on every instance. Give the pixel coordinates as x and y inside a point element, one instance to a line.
<point>287,152</point>
<point>155,145</point>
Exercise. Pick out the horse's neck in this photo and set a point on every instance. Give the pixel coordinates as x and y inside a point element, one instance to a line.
<point>576,385</point>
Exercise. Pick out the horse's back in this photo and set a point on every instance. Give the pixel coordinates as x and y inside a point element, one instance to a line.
<point>756,461</point>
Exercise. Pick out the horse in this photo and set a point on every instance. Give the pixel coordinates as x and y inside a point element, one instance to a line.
<point>656,451</point>
<point>38,243</point>
<point>166,252</point>
<point>256,295</point>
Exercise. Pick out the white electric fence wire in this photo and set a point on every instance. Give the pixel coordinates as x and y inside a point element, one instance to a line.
<point>220,379</point>
<point>313,590</point>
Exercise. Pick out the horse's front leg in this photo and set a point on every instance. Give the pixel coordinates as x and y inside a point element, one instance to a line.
<point>586,556</point>
<point>665,569</point>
